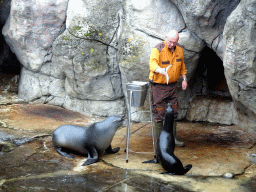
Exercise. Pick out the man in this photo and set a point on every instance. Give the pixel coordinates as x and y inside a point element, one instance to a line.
<point>166,66</point>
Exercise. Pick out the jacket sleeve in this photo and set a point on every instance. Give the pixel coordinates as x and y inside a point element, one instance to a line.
<point>183,67</point>
<point>154,59</point>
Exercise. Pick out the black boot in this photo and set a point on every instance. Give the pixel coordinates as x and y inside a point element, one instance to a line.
<point>177,142</point>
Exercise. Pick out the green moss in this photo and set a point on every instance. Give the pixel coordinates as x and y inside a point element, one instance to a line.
<point>90,33</point>
<point>134,49</point>
<point>91,50</point>
<point>65,38</point>
<point>76,28</point>
<point>97,67</point>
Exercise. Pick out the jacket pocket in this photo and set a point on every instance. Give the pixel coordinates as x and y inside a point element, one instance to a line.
<point>165,62</point>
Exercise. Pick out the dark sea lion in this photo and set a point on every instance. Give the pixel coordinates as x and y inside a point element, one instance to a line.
<point>166,146</point>
<point>89,141</point>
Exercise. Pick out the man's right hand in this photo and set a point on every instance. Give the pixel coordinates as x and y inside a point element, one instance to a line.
<point>161,71</point>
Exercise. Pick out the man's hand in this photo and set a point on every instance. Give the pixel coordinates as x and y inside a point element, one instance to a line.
<point>161,71</point>
<point>184,84</point>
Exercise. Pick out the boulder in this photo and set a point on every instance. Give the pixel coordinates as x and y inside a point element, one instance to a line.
<point>206,19</point>
<point>212,110</point>
<point>240,60</point>
<point>82,73</point>
<point>32,28</point>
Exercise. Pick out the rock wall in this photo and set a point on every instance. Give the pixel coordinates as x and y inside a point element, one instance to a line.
<point>206,19</point>
<point>240,60</point>
<point>68,52</point>
<point>79,54</point>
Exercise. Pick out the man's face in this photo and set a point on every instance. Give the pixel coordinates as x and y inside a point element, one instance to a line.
<point>171,42</point>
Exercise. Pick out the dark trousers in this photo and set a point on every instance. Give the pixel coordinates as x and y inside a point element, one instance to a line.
<point>160,96</point>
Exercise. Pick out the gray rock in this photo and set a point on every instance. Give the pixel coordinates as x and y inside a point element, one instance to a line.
<point>86,51</point>
<point>39,86</point>
<point>211,110</point>
<point>251,157</point>
<point>31,29</point>
<point>206,19</point>
<point>239,60</point>
<point>80,54</point>
<point>100,108</point>
<point>154,17</point>
<point>80,69</point>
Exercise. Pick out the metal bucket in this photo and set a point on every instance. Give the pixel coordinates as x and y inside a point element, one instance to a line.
<point>137,92</point>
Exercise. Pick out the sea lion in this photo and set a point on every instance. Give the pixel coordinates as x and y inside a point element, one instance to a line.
<point>90,141</point>
<point>166,146</point>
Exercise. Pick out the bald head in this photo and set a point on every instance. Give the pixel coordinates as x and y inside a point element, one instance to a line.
<point>172,39</point>
<point>173,34</point>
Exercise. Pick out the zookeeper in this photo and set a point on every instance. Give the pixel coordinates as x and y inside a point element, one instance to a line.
<point>166,66</point>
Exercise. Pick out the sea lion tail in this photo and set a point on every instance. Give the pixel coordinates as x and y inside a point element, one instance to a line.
<point>54,141</point>
<point>187,168</point>
<point>155,161</point>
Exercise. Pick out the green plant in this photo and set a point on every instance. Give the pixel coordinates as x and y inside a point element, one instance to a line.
<point>77,28</point>
<point>89,34</point>
<point>91,50</point>
<point>66,38</point>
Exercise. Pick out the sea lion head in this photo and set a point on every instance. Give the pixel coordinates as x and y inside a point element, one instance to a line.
<point>169,108</point>
<point>113,121</point>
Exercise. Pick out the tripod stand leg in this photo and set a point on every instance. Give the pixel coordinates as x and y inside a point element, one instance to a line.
<point>128,127</point>
<point>152,126</point>
<point>155,160</point>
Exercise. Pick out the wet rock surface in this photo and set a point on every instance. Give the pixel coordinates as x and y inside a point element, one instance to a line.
<point>223,157</point>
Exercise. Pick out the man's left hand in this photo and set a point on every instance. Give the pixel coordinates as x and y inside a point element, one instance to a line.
<point>184,84</point>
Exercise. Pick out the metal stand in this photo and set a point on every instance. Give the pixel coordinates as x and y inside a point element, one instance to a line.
<point>129,125</point>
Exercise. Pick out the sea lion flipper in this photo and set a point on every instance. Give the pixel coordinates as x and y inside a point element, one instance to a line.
<point>92,156</point>
<point>187,168</point>
<point>64,153</point>
<point>155,161</point>
<point>89,161</point>
<point>111,151</point>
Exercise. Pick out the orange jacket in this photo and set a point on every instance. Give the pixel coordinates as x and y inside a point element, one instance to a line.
<point>162,57</point>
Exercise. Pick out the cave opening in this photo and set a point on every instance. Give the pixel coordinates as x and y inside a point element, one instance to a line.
<point>10,67</point>
<point>209,78</point>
